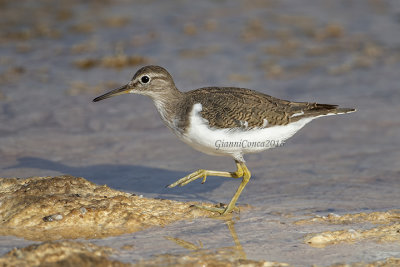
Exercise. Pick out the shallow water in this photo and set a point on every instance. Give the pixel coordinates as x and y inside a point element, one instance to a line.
<point>345,53</point>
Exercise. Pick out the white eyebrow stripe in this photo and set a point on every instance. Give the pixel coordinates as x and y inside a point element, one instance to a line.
<point>158,76</point>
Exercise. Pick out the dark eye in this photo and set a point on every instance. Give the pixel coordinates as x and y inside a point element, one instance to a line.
<point>145,79</point>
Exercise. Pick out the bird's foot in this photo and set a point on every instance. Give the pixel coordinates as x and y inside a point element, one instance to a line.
<point>190,178</point>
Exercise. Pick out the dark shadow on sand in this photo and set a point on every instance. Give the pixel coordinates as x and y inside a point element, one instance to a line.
<point>129,178</point>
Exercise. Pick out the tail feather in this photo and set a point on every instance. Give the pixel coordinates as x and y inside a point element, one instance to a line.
<point>325,109</point>
<point>317,110</point>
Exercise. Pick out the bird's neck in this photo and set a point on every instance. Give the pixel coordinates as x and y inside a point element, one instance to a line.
<point>166,104</point>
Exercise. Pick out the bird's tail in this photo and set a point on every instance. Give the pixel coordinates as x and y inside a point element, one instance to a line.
<point>327,109</point>
<point>306,110</point>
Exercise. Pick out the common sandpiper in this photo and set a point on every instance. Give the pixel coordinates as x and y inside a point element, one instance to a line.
<point>223,121</point>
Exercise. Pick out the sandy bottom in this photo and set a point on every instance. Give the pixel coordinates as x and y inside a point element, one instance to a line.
<point>64,207</point>
<point>69,253</point>
<point>67,207</point>
<point>389,231</point>
<point>64,253</point>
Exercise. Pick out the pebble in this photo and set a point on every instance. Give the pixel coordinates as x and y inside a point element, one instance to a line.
<point>54,217</point>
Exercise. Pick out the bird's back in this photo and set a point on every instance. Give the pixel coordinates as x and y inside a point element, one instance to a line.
<point>229,107</point>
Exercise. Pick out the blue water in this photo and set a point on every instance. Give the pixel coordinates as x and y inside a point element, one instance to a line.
<point>338,52</point>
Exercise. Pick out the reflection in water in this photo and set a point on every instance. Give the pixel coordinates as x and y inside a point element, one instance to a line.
<point>185,244</point>
<point>238,246</point>
<point>236,251</point>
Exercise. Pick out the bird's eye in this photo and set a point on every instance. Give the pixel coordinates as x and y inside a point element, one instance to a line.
<point>145,79</point>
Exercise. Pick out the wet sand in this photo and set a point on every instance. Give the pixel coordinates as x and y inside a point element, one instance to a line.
<point>389,232</point>
<point>67,207</point>
<point>330,196</point>
<point>68,253</point>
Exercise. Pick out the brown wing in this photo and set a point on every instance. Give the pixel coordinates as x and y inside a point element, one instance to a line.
<point>228,107</point>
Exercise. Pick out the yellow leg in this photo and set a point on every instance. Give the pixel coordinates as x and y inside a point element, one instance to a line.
<point>245,180</point>
<point>241,171</point>
<point>204,173</point>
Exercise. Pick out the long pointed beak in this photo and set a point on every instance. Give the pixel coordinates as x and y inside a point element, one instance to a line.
<point>119,91</point>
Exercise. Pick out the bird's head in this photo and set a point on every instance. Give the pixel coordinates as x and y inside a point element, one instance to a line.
<point>149,80</point>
